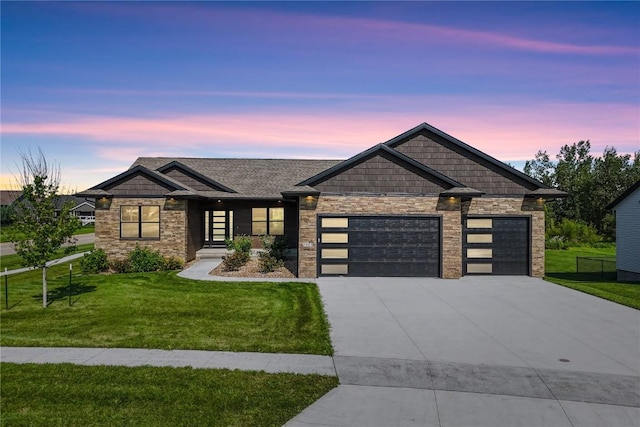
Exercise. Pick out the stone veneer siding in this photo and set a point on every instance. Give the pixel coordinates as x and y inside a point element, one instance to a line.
<point>173,230</point>
<point>449,210</point>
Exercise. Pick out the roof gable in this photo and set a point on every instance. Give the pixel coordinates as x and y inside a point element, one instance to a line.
<point>623,196</point>
<point>192,178</point>
<point>462,162</point>
<point>381,170</point>
<point>137,181</point>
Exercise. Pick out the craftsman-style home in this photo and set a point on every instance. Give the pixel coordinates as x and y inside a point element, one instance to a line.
<point>421,204</point>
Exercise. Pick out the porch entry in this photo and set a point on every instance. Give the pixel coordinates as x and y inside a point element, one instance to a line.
<point>218,226</point>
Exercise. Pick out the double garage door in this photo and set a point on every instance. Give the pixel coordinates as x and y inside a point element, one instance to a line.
<point>411,246</point>
<point>379,246</point>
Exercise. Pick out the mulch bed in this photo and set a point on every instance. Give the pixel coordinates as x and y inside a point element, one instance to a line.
<point>252,269</point>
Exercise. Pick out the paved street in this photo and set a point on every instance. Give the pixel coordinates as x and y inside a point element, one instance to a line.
<point>7,247</point>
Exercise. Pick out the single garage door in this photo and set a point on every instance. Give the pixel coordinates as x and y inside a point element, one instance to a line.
<point>360,246</point>
<point>496,245</point>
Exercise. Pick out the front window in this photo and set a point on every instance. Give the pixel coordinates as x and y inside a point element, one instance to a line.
<point>140,222</point>
<point>267,221</point>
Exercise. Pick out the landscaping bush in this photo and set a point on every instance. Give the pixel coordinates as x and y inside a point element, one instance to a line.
<point>94,262</point>
<point>144,259</point>
<point>241,243</point>
<point>272,257</point>
<point>235,260</point>
<point>121,266</point>
<point>241,247</point>
<point>173,263</point>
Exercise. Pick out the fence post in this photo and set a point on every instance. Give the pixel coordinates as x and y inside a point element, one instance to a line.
<point>70,271</point>
<point>6,289</point>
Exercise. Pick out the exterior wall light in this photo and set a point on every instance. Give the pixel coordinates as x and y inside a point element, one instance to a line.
<point>308,202</point>
<point>103,203</point>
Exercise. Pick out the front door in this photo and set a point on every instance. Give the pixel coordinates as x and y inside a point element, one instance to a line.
<point>218,226</point>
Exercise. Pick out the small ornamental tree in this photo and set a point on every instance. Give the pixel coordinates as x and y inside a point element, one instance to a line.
<point>39,231</point>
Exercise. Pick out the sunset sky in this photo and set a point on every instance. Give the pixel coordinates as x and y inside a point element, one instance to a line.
<point>97,84</point>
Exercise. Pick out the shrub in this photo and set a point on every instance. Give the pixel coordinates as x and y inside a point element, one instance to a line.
<point>173,263</point>
<point>94,262</point>
<point>556,242</point>
<point>574,233</point>
<point>235,260</point>
<point>269,263</point>
<point>241,247</point>
<point>144,259</point>
<point>7,214</point>
<point>272,257</point>
<point>241,243</point>
<point>121,266</point>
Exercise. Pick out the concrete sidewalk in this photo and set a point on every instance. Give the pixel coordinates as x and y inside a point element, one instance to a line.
<point>268,362</point>
<point>388,392</point>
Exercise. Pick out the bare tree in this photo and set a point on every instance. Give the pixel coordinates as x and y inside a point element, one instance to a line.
<point>40,231</point>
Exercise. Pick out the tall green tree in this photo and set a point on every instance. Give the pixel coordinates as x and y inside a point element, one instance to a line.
<point>40,231</point>
<point>591,181</point>
<point>573,175</point>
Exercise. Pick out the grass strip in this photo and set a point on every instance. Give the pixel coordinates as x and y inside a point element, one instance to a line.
<point>72,395</point>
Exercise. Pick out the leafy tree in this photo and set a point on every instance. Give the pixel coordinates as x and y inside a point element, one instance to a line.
<point>39,231</point>
<point>572,174</point>
<point>592,183</point>
<point>541,168</point>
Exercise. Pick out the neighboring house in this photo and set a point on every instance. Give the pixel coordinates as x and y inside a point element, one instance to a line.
<point>627,209</point>
<point>7,197</point>
<point>421,204</point>
<point>82,208</point>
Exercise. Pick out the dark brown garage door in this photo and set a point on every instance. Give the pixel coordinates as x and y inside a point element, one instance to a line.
<point>360,246</point>
<point>496,245</point>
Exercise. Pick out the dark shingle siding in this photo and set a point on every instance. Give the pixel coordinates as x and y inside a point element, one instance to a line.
<point>137,185</point>
<point>448,160</point>
<point>378,175</point>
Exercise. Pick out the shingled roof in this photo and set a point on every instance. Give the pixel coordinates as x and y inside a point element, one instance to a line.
<point>249,178</point>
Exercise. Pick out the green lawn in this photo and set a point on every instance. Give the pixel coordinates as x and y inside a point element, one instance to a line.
<point>70,395</point>
<point>12,262</point>
<point>162,310</point>
<point>561,269</point>
<point>6,231</point>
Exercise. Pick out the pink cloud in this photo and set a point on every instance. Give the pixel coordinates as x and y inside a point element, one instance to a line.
<point>342,30</point>
<point>506,131</point>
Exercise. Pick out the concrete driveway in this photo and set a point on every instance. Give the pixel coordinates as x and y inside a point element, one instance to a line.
<point>485,351</point>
